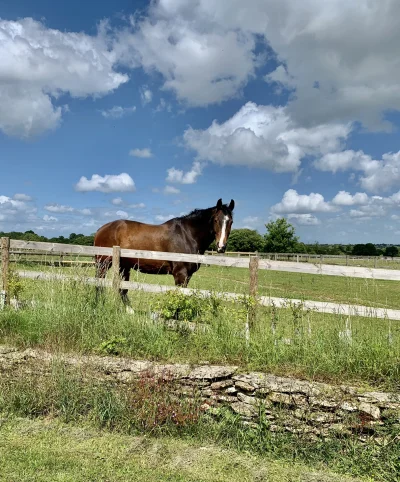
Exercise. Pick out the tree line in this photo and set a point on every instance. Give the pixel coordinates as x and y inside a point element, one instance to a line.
<point>279,238</point>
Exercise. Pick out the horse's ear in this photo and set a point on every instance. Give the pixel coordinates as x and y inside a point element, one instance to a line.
<point>219,204</point>
<point>231,205</point>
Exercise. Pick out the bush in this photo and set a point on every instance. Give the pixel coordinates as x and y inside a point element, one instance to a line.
<point>176,305</point>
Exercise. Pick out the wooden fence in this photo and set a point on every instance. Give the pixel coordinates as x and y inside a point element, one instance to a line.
<point>253,264</point>
<point>64,259</point>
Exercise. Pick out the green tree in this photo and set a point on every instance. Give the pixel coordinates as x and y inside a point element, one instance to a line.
<point>245,240</point>
<point>391,251</point>
<point>280,237</point>
<point>368,249</point>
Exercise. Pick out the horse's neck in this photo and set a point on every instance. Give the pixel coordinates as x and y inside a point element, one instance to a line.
<point>202,236</point>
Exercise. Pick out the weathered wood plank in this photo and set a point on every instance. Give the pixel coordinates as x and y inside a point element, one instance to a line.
<point>320,306</point>
<point>5,262</point>
<point>60,248</point>
<point>331,270</point>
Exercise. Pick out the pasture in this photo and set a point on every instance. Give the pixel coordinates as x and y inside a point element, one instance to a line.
<point>287,341</point>
<point>62,315</point>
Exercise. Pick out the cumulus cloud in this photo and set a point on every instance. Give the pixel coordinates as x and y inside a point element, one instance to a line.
<point>189,177</point>
<point>146,95</point>
<point>294,203</point>
<point>117,112</point>
<point>265,137</point>
<point>22,197</point>
<point>171,190</point>
<point>343,161</point>
<point>340,67</point>
<point>117,201</point>
<point>108,183</point>
<point>201,59</point>
<point>162,218</point>
<point>377,175</point>
<point>122,214</point>
<point>251,220</point>
<point>58,208</point>
<point>339,59</point>
<point>144,153</point>
<point>304,219</point>
<point>85,211</point>
<point>344,198</point>
<point>49,219</point>
<point>38,64</point>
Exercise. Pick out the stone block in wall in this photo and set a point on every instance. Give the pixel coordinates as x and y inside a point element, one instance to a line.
<point>222,384</point>
<point>288,399</point>
<point>244,409</point>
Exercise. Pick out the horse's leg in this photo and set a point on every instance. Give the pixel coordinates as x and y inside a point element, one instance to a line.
<point>125,272</point>
<point>181,275</point>
<point>102,266</point>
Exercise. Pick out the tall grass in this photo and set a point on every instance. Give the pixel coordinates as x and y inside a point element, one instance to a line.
<point>66,317</point>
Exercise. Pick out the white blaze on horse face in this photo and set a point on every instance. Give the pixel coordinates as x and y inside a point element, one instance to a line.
<point>221,242</point>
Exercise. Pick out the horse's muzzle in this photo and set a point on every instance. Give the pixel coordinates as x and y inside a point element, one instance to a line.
<point>221,249</point>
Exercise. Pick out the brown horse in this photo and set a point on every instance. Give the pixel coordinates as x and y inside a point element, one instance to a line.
<point>190,234</point>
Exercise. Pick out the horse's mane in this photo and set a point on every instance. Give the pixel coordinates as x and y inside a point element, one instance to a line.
<point>203,213</point>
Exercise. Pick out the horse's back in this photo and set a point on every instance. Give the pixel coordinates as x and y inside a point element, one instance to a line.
<point>139,236</point>
<point>131,235</point>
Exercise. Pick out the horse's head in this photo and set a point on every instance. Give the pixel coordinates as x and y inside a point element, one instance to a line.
<point>222,224</point>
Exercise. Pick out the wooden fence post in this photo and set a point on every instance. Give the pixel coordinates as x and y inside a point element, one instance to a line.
<point>253,268</point>
<point>116,261</point>
<point>5,261</point>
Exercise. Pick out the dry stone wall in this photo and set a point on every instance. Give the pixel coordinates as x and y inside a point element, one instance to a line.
<point>286,404</point>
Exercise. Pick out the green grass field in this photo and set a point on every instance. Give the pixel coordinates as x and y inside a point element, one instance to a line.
<point>335,289</point>
<point>285,341</point>
<point>45,450</point>
<point>290,341</point>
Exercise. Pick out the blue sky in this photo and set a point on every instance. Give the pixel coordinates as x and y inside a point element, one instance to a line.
<point>139,110</point>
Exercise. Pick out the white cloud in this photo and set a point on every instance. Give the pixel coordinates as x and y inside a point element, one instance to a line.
<point>16,214</point>
<point>163,105</point>
<point>117,112</point>
<point>294,203</point>
<point>349,49</point>
<point>200,58</point>
<point>382,175</point>
<point>338,58</point>
<point>144,153</point>
<point>265,137</point>
<point>58,208</point>
<point>344,198</point>
<point>343,161</point>
<point>378,175</point>
<point>163,218</point>
<point>171,190</point>
<point>146,95</point>
<point>22,197</point>
<point>85,212</point>
<point>304,219</point>
<point>38,64</point>
<point>108,183</point>
<point>117,201</point>
<point>251,220</point>
<point>49,219</point>
<point>122,214</point>
<point>137,206</point>
<point>189,177</point>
